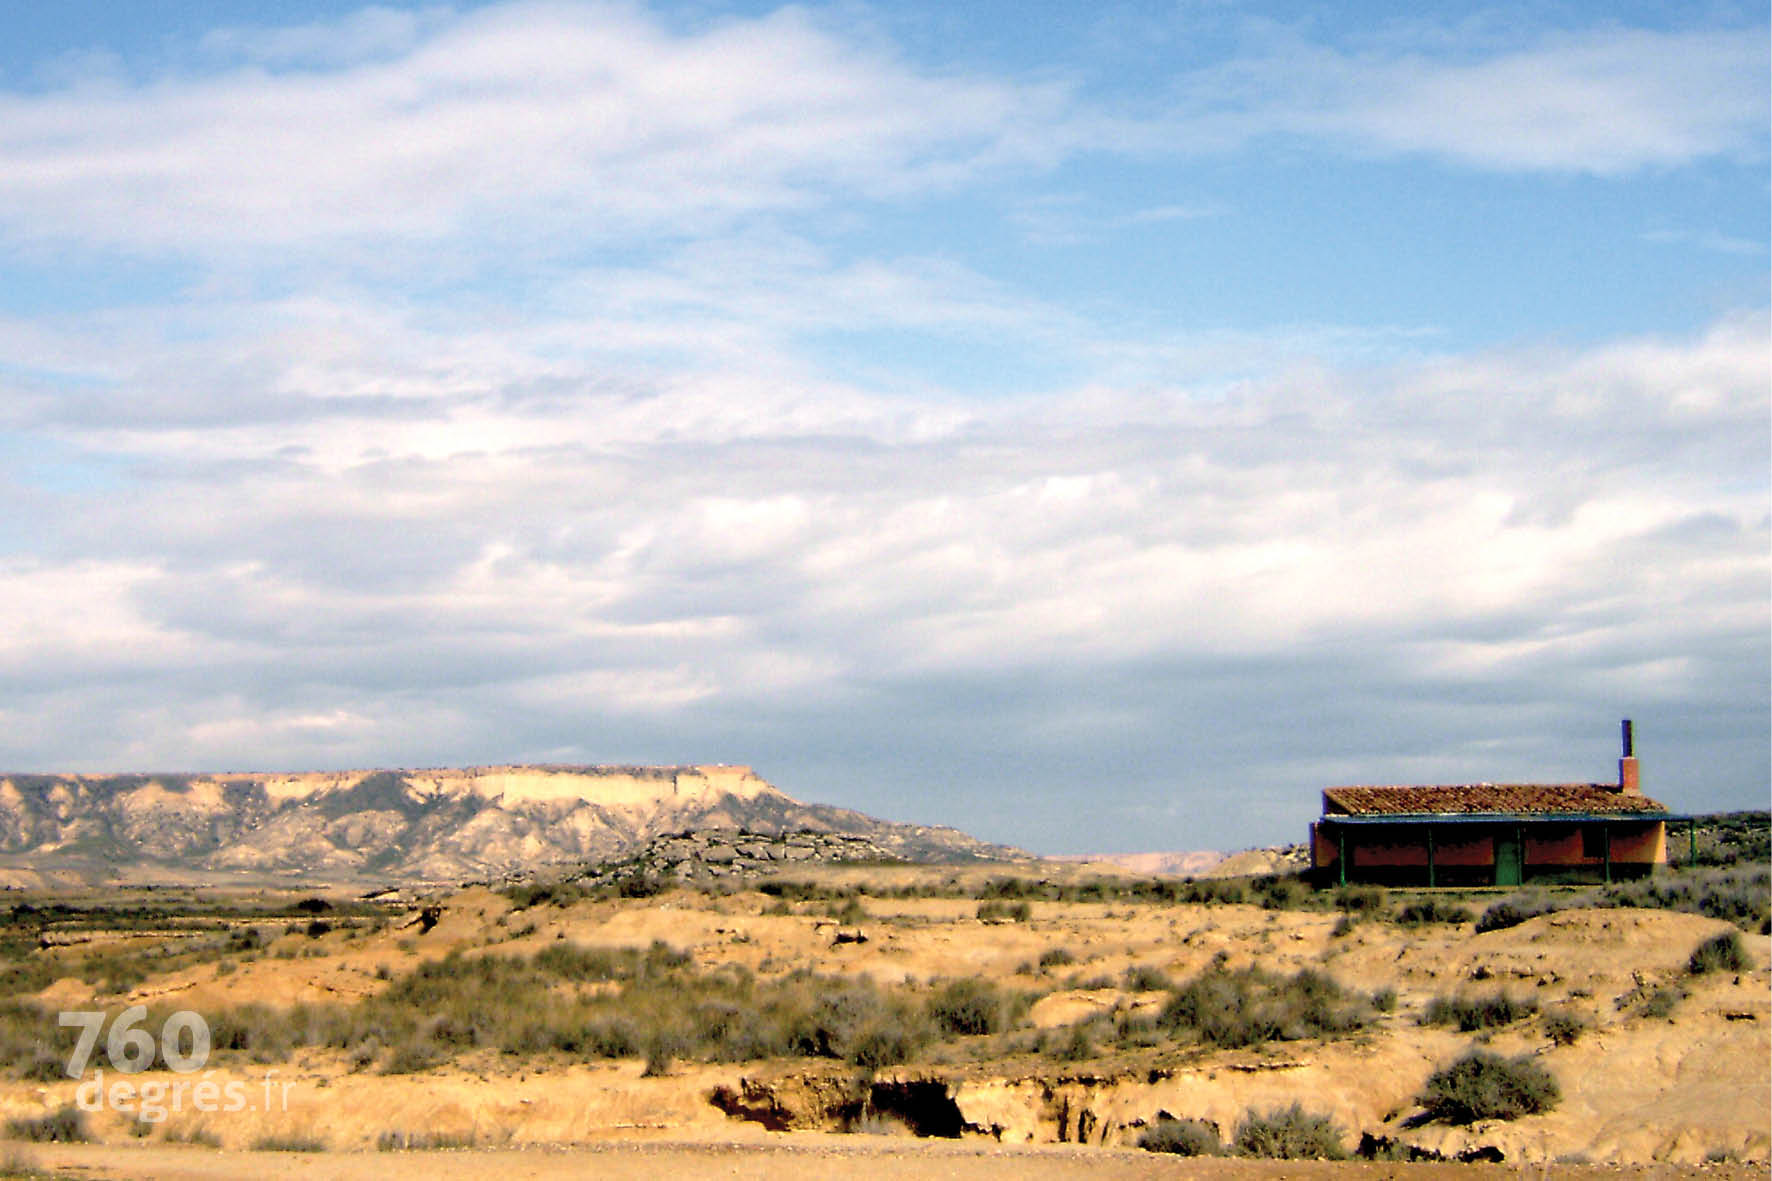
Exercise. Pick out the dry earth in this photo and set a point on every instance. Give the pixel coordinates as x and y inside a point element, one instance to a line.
<point>1658,1094</point>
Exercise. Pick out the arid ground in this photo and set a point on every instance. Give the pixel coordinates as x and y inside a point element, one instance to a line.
<point>881,1021</point>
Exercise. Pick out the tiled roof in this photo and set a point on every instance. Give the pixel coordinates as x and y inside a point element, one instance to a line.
<point>1469,798</point>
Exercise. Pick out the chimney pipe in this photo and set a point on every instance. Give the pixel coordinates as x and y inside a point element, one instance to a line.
<point>1628,781</point>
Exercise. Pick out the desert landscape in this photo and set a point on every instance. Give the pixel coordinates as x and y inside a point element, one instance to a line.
<point>742,1003</point>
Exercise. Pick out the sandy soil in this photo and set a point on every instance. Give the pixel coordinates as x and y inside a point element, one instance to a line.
<point>810,1155</point>
<point>1665,1093</point>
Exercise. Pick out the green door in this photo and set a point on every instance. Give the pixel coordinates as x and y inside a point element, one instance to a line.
<point>1508,862</point>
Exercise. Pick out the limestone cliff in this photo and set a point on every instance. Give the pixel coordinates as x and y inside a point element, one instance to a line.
<point>404,825</point>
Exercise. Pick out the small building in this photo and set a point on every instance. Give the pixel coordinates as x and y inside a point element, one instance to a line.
<point>1491,834</point>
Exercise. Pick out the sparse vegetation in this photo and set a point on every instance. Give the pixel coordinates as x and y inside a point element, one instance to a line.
<point>1432,910</point>
<point>996,910</point>
<point>1181,1137</point>
<point>1289,1133</point>
<point>292,1142</point>
<point>1482,1085</point>
<point>1719,953</point>
<point>1469,1013</point>
<point>1248,1007</point>
<point>65,1125</point>
<point>1565,1026</point>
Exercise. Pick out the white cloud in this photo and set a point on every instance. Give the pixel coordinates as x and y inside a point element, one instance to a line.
<point>569,119</point>
<point>1606,101</point>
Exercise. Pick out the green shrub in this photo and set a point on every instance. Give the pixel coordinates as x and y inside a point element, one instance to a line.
<point>1056,957</point>
<point>1385,1000</point>
<point>1719,953</point>
<point>1289,1133</point>
<point>1182,1137</point>
<point>1146,978</point>
<point>1472,1013</point>
<point>1482,1085</point>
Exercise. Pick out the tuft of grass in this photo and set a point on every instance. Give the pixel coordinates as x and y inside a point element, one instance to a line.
<point>1482,1085</point>
<point>1565,1027</point>
<point>1719,953</point>
<point>290,1142</point>
<point>1662,1002</point>
<point>1473,1013</point>
<point>1288,1133</point>
<point>401,1141</point>
<point>1181,1137</point>
<point>1057,957</point>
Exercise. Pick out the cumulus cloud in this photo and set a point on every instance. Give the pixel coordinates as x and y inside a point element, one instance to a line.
<point>1586,525</point>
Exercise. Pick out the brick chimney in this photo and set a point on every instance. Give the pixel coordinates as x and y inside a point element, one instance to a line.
<point>1628,783</point>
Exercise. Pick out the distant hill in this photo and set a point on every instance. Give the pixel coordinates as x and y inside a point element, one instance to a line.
<point>401,826</point>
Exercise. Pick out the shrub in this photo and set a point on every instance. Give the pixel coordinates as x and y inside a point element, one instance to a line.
<point>968,1007</point>
<point>1719,953</point>
<point>1432,910</point>
<point>395,1141</point>
<point>1385,1000</point>
<point>1289,1133</point>
<point>1511,912</point>
<point>997,910</point>
<point>1662,1002</point>
<point>1274,892</point>
<point>1564,1027</point>
<point>1056,957</point>
<point>1249,1007</point>
<point>1482,1085</point>
<point>65,1125</point>
<point>1360,899</point>
<point>1472,1013</point>
<point>1146,978</point>
<point>289,1143</point>
<point>1182,1137</point>
<point>1074,1043</point>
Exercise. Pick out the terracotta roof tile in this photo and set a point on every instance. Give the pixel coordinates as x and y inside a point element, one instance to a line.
<point>1469,798</point>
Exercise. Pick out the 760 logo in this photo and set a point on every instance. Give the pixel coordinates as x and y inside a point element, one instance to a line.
<point>183,1043</point>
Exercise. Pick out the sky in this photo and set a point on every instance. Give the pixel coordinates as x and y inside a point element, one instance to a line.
<point>1096,427</point>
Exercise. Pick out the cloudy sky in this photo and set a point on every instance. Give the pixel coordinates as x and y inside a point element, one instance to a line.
<point>1095,426</point>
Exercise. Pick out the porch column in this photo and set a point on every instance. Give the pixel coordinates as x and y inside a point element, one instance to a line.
<point>1430,855</point>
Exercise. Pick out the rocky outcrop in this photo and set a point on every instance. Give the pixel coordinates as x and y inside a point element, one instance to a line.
<point>709,854</point>
<point>438,825</point>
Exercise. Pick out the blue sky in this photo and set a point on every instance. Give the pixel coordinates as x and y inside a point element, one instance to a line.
<point>1055,421</point>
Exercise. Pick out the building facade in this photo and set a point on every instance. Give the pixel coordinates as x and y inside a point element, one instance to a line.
<point>1492,834</point>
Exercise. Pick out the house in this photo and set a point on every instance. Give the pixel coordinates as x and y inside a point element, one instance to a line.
<point>1500,834</point>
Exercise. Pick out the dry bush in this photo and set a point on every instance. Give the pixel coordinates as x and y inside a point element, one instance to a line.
<point>1289,1133</point>
<point>1482,1085</point>
<point>1472,1013</point>
<point>1181,1137</point>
